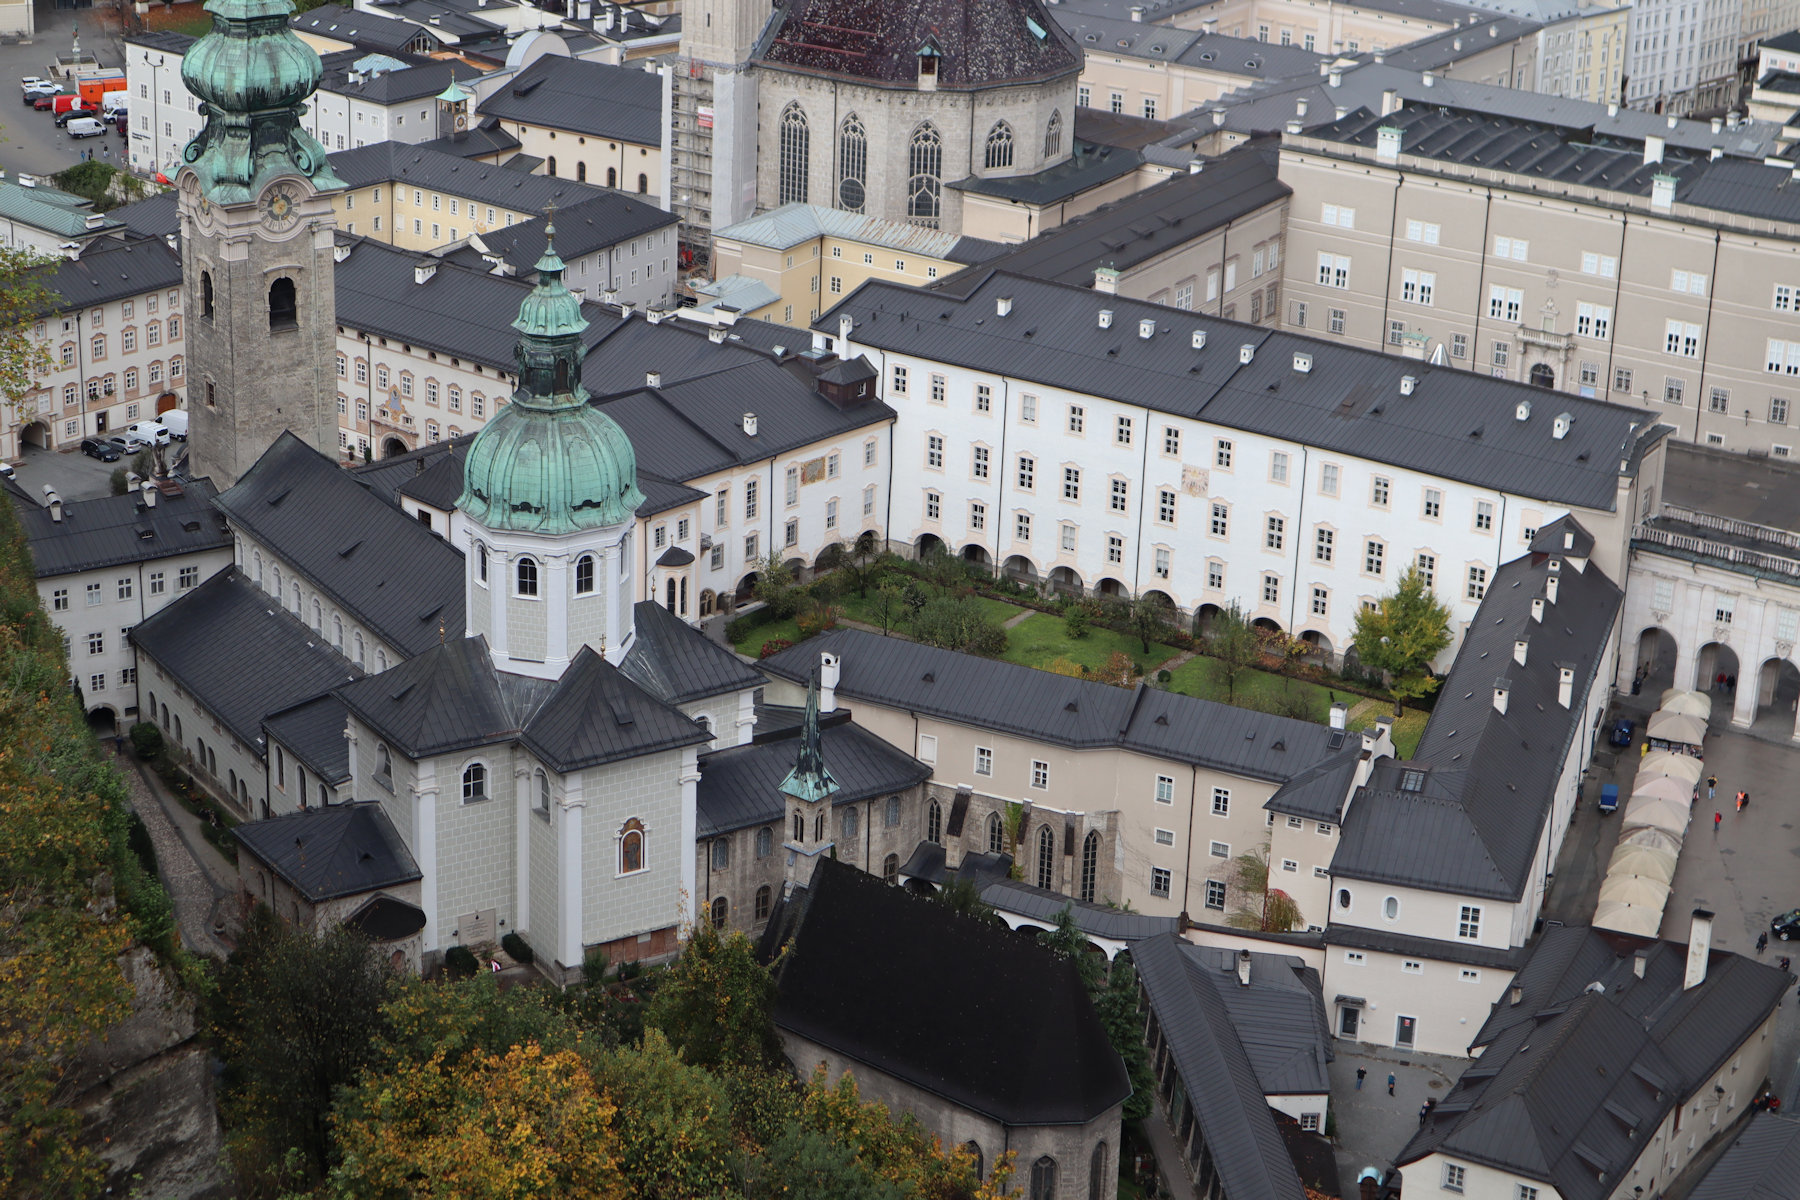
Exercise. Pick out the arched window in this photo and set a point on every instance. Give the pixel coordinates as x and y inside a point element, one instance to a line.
<point>612,177</point>
<point>890,869</point>
<point>550,165</point>
<point>543,791</point>
<point>359,649</point>
<point>284,307</point>
<point>999,146</point>
<point>721,912</point>
<point>765,842</point>
<point>206,295</point>
<point>528,577</point>
<point>384,765</point>
<point>973,1149</point>
<point>178,732</point>
<point>584,575</point>
<point>297,603</point>
<point>1053,136</point>
<point>996,834</point>
<point>819,826</point>
<point>924,176</point>
<point>670,592</point>
<point>762,902</point>
<point>796,146</point>
<point>1090,863</point>
<point>847,822</point>
<point>631,847</point>
<point>581,172</point>
<point>1043,1179</point>
<point>799,828</point>
<point>278,585</point>
<point>934,823</point>
<point>259,581</point>
<point>318,621</point>
<point>474,783</point>
<point>337,633</point>
<point>1097,1180</point>
<point>480,563</point>
<point>380,660</point>
<point>1046,876</point>
<point>853,164</point>
<point>643,183</point>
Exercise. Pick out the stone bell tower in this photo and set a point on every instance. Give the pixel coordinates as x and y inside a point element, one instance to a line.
<point>257,245</point>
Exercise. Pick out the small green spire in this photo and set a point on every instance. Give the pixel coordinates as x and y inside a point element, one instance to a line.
<point>810,781</point>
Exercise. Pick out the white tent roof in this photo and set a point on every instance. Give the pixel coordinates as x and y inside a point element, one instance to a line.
<point>1635,890</point>
<point>1694,704</point>
<point>1647,861</point>
<point>1661,814</point>
<point>1629,918</point>
<point>1663,787</point>
<point>1667,762</point>
<point>1677,727</point>
<point>1656,839</point>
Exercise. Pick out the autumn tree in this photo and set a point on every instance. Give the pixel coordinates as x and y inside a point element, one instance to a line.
<point>673,1133</point>
<point>1150,616</point>
<point>1401,636</point>
<point>715,1005</point>
<point>25,296</point>
<point>1261,906</point>
<point>1233,641</point>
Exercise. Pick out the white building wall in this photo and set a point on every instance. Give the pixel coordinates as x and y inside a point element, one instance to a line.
<point>110,365</point>
<point>614,904</point>
<point>165,117</point>
<point>302,597</point>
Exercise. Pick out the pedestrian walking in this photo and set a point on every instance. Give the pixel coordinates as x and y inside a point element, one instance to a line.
<point>1391,1082</point>
<point>1740,802</point>
<point>1712,784</point>
<point>1717,817</point>
<point>1762,942</point>
<point>1784,962</point>
<point>1424,1112</point>
<point>1360,1076</point>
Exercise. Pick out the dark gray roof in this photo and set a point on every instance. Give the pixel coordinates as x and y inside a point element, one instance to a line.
<point>585,226</point>
<point>361,28</point>
<point>337,850</point>
<point>1095,920</point>
<point>109,530</point>
<point>1436,51</point>
<point>1088,166</point>
<point>1457,424</point>
<point>1563,536</point>
<point>867,961</point>
<point>740,786</point>
<point>1153,222</point>
<point>1221,1081</point>
<point>598,715</point>
<point>1465,815</point>
<point>878,42</point>
<point>1764,1162</point>
<point>113,269</point>
<point>240,655</point>
<point>162,39</point>
<point>1120,36</point>
<point>1319,791</point>
<point>423,167</point>
<point>156,216</point>
<point>986,693</point>
<point>438,481</point>
<point>313,732</point>
<point>1605,1064</point>
<point>1279,1015</point>
<point>447,698</point>
<point>1788,42</point>
<point>677,663</point>
<point>382,567</point>
<point>486,138</point>
<point>455,23</point>
<point>1384,942</point>
<point>592,98</point>
<point>350,73</point>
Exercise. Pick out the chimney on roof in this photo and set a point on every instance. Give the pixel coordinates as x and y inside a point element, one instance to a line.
<point>1638,962</point>
<point>424,269</point>
<point>1002,308</point>
<point>1673,120</point>
<point>1209,25</point>
<point>1387,144</point>
<point>749,424</point>
<point>1199,339</point>
<point>1300,107</point>
<point>1243,968</point>
<point>1246,353</point>
<point>1336,77</point>
<point>1493,31</point>
<point>716,335</point>
<point>1718,123</point>
<point>132,479</point>
<point>1409,384</point>
<point>1653,150</point>
<point>846,324</point>
<point>1565,684</point>
<point>1502,689</point>
<point>54,503</point>
<point>1662,192</point>
<point>1537,609</point>
<point>148,487</point>
<point>653,379</point>
<point>1106,282</point>
<point>1196,165</point>
<point>1550,584</point>
<point>1137,13</point>
<point>1699,947</point>
<point>1390,102</point>
<point>1515,995</point>
<point>1559,428</point>
<point>1147,328</point>
<point>1340,713</point>
<point>1340,112</point>
<point>1520,646</point>
<point>1455,44</point>
<point>1295,125</point>
<point>829,673</point>
<point>1106,316</point>
<point>1612,109</point>
<point>1425,78</point>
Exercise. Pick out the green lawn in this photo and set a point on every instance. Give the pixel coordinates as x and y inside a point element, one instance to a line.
<point>1407,731</point>
<point>752,643</point>
<point>856,608</point>
<point>1040,639</point>
<point>1201,677</point>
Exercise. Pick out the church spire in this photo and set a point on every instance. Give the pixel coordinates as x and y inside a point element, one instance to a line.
<point>810,781</point>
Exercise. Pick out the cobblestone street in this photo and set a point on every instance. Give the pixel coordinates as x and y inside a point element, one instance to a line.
<point>201,893</point>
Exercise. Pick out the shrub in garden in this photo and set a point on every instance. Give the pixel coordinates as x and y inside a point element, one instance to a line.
<point>773,646</point>
<point>517,948</point>
<point>459,962</point>
<point>818,619</point>
<point>1077,620</point>
<point>146,740</point>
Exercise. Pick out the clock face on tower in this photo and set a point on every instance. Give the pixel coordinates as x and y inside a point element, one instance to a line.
<point>280,205</point>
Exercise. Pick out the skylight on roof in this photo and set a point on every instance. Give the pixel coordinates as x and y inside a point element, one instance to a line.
<point>1037,31</point>
<point>1412,781</point>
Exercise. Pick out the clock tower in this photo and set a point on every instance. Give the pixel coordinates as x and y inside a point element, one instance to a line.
<point>257,234</point>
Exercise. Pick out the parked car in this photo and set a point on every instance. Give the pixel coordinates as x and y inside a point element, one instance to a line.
<point>1609,797</point>
<point>43,103</point>
<point>85,127</point>
<point>105,451</point>
<point>176,422</point>
<point>128,443</point>
<point>151,433</point>
<point>33,89</point>
<point>1621,732</point>
<point>1786,927</point>
<point>63,118</point>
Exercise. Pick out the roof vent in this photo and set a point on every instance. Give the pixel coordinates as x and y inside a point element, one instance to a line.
<point>1302,362</point>
<point>1560,429</point>
<point>1522,411</point>
<point>1106,316</point>
<point>1456,45</point>
<point>1002,308</point>
<point>1147,328</point>
<point>1199,339</point>
<point>1653,150</point>
<point>1387,143</point>
<point>1408,384</point>
<point>1662,192</point>
<point>716,335</point>
<point>1336,78</point>
<point>1425,76</point>
<point>653,379</point>
<point>749,424</point>
<point>424,270</point>
<point>338,253</point>
<point>1246,352</point>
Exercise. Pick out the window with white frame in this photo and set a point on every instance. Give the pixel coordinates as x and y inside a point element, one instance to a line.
<point>1275,533</point>
<point>1121,495</point>
<point>1215,893</point>
<point>1605,266</point>
<point>1115,548</point>
<point>1278,466</point>
<point>1162,562</point>
<point>1422,231</point>
<point>1517,249</point>
<point>1477,585</point>
<point>1271,589</point>
<point>1690,283</point>
<point>984,760</point>
<point>1454,1177</point>
<point>1505,303</point>
<point>1022,527</point>
<point>1215,575</point>
<point>1221,519</point>
<point>1682,338</point>
<point>1334,270</point>
<point>1337,215</point>
<point>1165,789</point>
<point>1040,774</point>
<point>1221,802</point>
<point>1417,287</point>
<point>1468,924</point>
<point>1593,320</point>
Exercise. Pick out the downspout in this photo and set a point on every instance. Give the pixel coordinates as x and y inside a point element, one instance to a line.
<point>1712,289</point>
<point>1299,529</point>
<point>1224,245</point>
<point>1137,557</point>
<point>999,469</point>
<point>1187,867</point>
<point>1487,215</point>
<point>1387,290</point>
<point>1618,285</point>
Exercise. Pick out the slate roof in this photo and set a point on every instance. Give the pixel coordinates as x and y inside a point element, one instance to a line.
<point>446,698</point>
<point>1319,792</point>
<point>740,785</point>
<point>1156,221</point>
<point>337,850</point>
<point>1456,424</point>
<point>1206,1044</point>
<point>487,137</point>
<point>585,226</point>
<point>596,714</point>
<point>1121,37</point>
<point>1088,166</point>
<point>155,216</point>
<point>986,693</point>
<point>877,42</point>
<point>423,167</point>
<point>1441,50</point>
<point>1563,536</point>
<point>1764,1162</point>
<point>163,39</point>
<point>108,530</point>
<point>1385,942</point>
<point>1788,42</point>
<point>113,269</point>
<point>1465,814</point>
<point>384,568</point>
<point>360,28</point>
<point>57,213</point>
<point>592,98</point>
<point>1095,920</point>
<point>865,960</point>
<point>788,226</point>
<point>392,78</point>
<point>1574,1076</point>
<point>239,655</point>
<point>677,663</point>
<point>313,732</point>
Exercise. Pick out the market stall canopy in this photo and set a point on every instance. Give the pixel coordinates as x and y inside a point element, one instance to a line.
<point>1663,787</point>
<point>1667,762</point>
<point>1694,704</point>
<point>1654,838</point>
<point>1658,814</point>
<point>1676,727</point>
<point>1634,890</point>
<point>1628,918</point>
<point>1646,861</point>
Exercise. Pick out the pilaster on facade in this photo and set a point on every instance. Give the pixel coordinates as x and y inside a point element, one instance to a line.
<point>569,922</point>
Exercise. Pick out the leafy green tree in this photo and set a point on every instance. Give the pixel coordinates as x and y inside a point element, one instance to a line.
<point>449,1019</point>
<point>889,606</point>
<point>805,1164</point>
<point>1114,997</point>
<point>860,562</point>
<point>1233,641</point>
<point>1261,906</point>
<point>775,586</point>
<point>675,1139</point>
<point>295,1018</point>
<point>25,296</point>
<point>1150,616</point>
<point>958,623</point>
<point>960,895</point>
<point>1401,636</point>
<point>715,1006</point>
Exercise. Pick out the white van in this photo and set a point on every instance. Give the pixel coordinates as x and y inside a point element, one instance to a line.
<point>85,127</point>
<point>113,103</point>
<point>152,433</point>
<point>176,422</point>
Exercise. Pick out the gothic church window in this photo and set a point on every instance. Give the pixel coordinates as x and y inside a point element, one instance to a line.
<point>474,782</point>
<point>934,823</point>
<point>796,144</point>
<point>1046,865</point>
<point>999,146</point>
<point>543,792</point>
<point>925,170</point>
<point>765,842</point>
<point>1053,136</point>
<point>721,912</point>
<point>996,834</point>
<point>1090,864</point>
<point>284,308</point>
<point>762,903</point>
<point>890,869</point>
<point>853,164</point>
<point>1043,1179</point>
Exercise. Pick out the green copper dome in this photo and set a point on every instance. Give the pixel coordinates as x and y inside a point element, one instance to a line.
<point>251,74</point>
<point>549,462</point>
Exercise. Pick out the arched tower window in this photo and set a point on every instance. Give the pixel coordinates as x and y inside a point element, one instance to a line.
<point>996,834</point>
<point>796,146</point>
<point>543,791</point>
<point>925,176</point>
<point>819,826</point>
<point>560,379</point>
<point>643,184</point>
<point>721,912</point>
<point>631,847</point>
<point>1097,1178</point>
<point>853,164</point>
<point>474,782</point>
<point>934,823</point>
<point>206,295</point>
<point>890,869</point>
<point>528,577</point>
<point>762,902</point>
<point>799,828</point>
<point>1043,1179</point>
<point>550,165</point>
<point>612,177</point>
<point>1046,873</point>
<point>765,842</point>
<point>384,765</point>
<point>1090,863</point>
<point>670,590</point>
<point>284,308</point>
<point>1053,136</point>
<point>581,172</point>
<point>584,575</point>
<point>480,562</point>
<point>999,146</point>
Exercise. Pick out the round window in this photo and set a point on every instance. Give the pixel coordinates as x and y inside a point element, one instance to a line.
<point>1343,897</point>
<point>1390,908</point>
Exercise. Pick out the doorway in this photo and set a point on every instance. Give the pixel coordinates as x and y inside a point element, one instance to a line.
<point>1349,1019</point>
<point>1405,1032</point>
